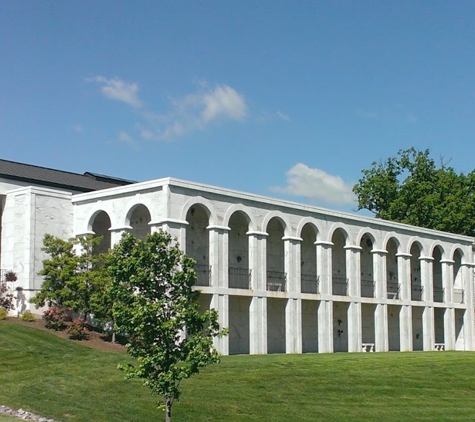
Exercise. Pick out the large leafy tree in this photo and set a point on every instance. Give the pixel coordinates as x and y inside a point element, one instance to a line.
<point>412,188</point>
<point>73,274</point>
<point>156,305</point>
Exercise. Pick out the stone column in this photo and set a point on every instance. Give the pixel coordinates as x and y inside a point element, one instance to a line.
<point>176,228</point>
<point>427,283</point>
<point>293,308</point>
<point>258,307</point>
<point>293,326</point>
<point>449,315</point>
<point>258,260</point>
<point>381,293</point>
<point>353,273</point>
<point>220,302</point>
<point>258,326</point>
<point>325,307</point>
<point>467,280</point>
<point>218,255</point>
<point>292,263</point>
<point>117,232</point>
<point>405,316</point>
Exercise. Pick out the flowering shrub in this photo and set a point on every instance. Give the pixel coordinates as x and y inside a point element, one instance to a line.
<point>54,318</point>
<point>77,330</point>
<point>6,297</point>
<point>11,276</point>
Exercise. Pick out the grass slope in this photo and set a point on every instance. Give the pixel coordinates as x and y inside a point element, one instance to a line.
<point>56,378</point>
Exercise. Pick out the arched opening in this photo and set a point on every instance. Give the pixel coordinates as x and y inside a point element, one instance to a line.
<point>308,261</point>
<point>100,226</point>
<point>417,328</point>
<point>438,289</point>
<point>392,276</point>
<point>394,330</point>
<point>276,276</point>
<point>139,219</point>
<point>339,278</point>
<point>367,273</point>
<point>238,252</point>
<point>416,282</point>
<point>457,277</point>
<point>340,326</point>
<point>197,242</point>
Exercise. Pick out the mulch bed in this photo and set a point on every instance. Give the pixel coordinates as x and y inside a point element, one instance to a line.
<point>99,341</point>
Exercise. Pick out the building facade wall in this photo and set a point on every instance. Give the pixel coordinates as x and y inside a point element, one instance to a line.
<point>291,278</point>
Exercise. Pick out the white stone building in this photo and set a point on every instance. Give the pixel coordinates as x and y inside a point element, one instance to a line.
<point>284,277</point>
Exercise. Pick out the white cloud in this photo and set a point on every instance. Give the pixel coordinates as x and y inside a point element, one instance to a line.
<point>119,90</point>
<point>317,185</point>
<point>195,111</point>
<point>283,116</point>
<point>125,138</point>
<point>77,128</point>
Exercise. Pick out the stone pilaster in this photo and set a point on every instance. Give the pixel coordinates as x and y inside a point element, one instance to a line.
<point>405,316</point>
<point>381,293</point>
<point>325,307</point>
<point>292,263</point>
<point>353,273</point>
<point>467,279</point>
<point>117,232</point>
<point>258,260</point>
<point>293,326</point>
<point>449,315</point>
<point>218,255</point>
<point>324,267</point>
<point>220,303</point>
<point>325,326</point>
<point>176,228</point>
<point>427,282</point>
<point>258,326</point>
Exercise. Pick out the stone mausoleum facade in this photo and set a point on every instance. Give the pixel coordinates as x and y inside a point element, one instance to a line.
<point>284,277</point>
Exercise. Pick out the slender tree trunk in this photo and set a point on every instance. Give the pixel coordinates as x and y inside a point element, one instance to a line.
<point>168,410</point>
<point>113,333</point>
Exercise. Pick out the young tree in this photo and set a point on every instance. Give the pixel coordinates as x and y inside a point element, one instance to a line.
<point>412,189</point>
<point>72,279</point>
<point>156,305</point>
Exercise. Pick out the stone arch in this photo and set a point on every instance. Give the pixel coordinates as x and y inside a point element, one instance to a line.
<point>205,204</point>
<point>391,236</point>
<point>436,244</point>
<point>138,218</point>
<point>99,224</point>
<point>279,216</point>
<point>197,241</point>
<point>415,240</point>
<point>338,226</point>
<point>238,250</point>
<point>339,277</point>
<point>307,221</point>
<point>243,210</point>
<point>367,244</point>
<point>375,240</point>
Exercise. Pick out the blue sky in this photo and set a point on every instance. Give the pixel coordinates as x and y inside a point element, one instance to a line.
<point>290,99</point>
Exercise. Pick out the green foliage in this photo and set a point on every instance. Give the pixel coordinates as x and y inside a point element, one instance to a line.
<point>55,318</point>
<point>3,313</point>
<point>412,189</point>
<point>77,330</point>
<point>27,316</point>
<point>71,280</point>
<point>6,295</point>
<point>154,301</point>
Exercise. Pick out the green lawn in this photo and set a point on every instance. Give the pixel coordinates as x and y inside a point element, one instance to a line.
<point>60,379</point>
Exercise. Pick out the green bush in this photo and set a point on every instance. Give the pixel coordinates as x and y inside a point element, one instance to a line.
<point>27,316</point>
<point>3,313</point>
